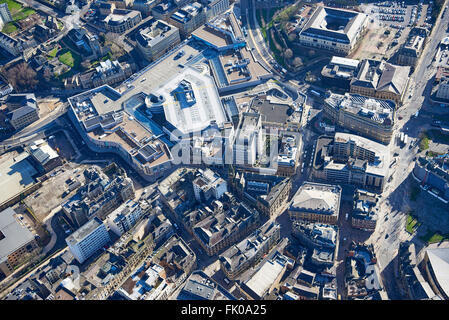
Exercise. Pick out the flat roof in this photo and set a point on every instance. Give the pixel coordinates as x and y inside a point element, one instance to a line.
<point>194,117</point>
<point>13,235</point>
<point>323,198</point>
<point>352,63</point>
<point>263,279</point>
<point>321,24</point>
<point>83,231</point>
<point>16,174</point>
<point>382,152</point>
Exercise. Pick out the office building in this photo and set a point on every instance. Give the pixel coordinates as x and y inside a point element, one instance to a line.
<point>248,139</point>
<point>248,252</point>
<point>351,159</point>
<point>23,109</point>
<point>411,50</point>
<point>339,72</point>
<point>364,214</point>
<point>369,117</point>
<point>156,39</point>
<point>16,241</point>
<point>88,239</point>
<point>334,29</point>
<point>107,72</point>
<point>316,202</point>
<point>381,80</point>
<point>121,20</point>
<point>188,18</point>
<point>124,217</point>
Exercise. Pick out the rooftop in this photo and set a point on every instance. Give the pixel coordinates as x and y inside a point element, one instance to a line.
<point>335,24</point>
<point>83,231</point>
<point>316,197</point>
<point>13,235</point>
<point>375,110</point>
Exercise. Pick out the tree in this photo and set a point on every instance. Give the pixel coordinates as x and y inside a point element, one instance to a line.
<point>288,54</point>
<point>22,77</point>
<point>292,37</point>
<point>297,62</point>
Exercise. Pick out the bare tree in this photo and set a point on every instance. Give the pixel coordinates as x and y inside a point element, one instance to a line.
<point>288,54</point>
<point>297,62</point>
<point>22,77</point>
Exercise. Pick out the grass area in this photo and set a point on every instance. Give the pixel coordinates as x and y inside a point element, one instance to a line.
<point>13,6</point>
<point>434,237</point>
<point>424,143</point>
<point>53,52</point>
<point>412,223</point>
<point>9,28</point>
<point>414,193</point>
<point>70,59</point>
<point>23,14</point>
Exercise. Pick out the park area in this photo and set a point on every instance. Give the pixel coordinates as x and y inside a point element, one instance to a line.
<point>18,12</point>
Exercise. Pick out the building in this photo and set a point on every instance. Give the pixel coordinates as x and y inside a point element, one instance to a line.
<point>121,20</point>
<point>189,102</point>
<point>267,193</point>
<point>339,72</point>
<point>226,224</point>
<point>413,282</point>
<point>362,275</point>
<point>221,33</point>
<point>106,73</point>
<point>156,39</point>
<point>381,80</point>
<point>334,29</point>
<point>164,10</point>
<point>208,185</point>
<point>215,7</point>
<point>316,202</point>
<point>12,46</point>
<point>144,6</point>
<point>88,239</point>
<point>435,264</point>
<point>249,251</point>
<point>106,121</point>
<point>369,117</point>
<point>44,156</point>
<point>188,18</point>
<point>16,241</point>
<point>443,89</point>
<point>201,287</point>
<point>87,44</point>
<point>265,279</point>
<point>351,159</point>
<point>411,50</point>
<point>99,196</point>
<point>320,239</point>
<point>248,139</point>
<point>5,14</point>
<point>434,173</point>
<point>23,109</point>
<point>124,217</point>
<point>364,214</point>
<point>214,223</point>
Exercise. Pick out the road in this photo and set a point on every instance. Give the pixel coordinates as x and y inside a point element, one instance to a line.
<point>390,230</point>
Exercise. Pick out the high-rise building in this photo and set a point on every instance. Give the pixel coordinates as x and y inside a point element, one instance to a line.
<point>5,14</point>
<point>85,241</point>
<point>124,217</point>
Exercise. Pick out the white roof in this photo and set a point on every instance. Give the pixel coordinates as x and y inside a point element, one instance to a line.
<point>345,62</point>
<point>439,259</point>
<point>44,153</point>
<point>265,277</point>
<point>206,108</point>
